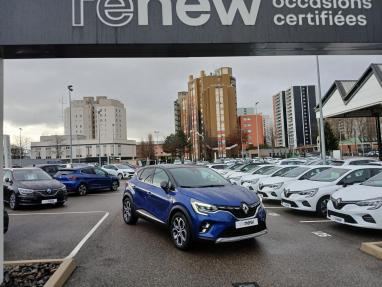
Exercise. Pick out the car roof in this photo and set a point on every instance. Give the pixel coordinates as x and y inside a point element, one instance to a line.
<point>23,168</point>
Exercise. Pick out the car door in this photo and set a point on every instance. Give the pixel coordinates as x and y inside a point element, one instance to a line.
<point>90,178</point>
<point>357,176</point>
<point>142,187</point>
<point>103,179</point>
<point>159,201</point>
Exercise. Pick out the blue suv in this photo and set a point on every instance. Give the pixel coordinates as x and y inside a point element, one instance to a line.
<point>195,203</point>
<point>84,179</point>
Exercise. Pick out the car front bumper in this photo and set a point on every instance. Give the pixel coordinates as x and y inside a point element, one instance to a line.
<point>31,200</point>
<point>299,202</point>
<point>354,215</point>
<point>269,193</point>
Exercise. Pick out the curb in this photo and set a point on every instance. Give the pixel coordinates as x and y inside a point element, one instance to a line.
<point>59,277</point>
<point>373,249</point>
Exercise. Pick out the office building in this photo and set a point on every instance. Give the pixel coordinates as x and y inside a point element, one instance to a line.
<point>178,104</point>
<point>90,113</point>
<point>268,130</point>
<point>209,113</point>
<point>251,128</point>
<point>295,121</point>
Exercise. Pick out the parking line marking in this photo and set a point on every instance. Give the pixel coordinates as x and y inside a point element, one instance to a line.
<point>55,213</point>
<point>87,236</point>
<point>315,221</point>
<point>321,234</point>
<point>273,214</point>
<point>274,207</point>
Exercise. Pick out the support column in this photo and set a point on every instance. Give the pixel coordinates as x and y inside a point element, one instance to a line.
<point>1,170</point>
<point>379,139</point>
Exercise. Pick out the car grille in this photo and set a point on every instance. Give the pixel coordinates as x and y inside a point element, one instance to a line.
<point>342,204</point>
<point>46,193</point>
<point>238,212</point>
<point>368,218</point>
<point>347,218</point>
<point>233,232</point>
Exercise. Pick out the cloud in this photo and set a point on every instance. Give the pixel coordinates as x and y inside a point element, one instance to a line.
<point>34,89</point>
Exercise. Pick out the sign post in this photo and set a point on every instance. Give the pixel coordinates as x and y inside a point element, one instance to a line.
<point>1,171</point>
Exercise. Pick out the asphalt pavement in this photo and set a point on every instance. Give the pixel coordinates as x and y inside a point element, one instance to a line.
<point>299,250</point>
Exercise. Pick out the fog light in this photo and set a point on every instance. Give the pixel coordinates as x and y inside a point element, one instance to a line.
<point>205,227</point>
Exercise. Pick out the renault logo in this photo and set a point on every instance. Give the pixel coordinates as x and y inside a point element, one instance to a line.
<point>245,208</point>
<point>49,191</point>
<point>338,202</point>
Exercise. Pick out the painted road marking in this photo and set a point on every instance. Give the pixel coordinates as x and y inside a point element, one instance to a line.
<point>273,214</point>
<point>87,236</point>
<point>274,207</point>
<point>321,234</point>
<point>315,221</point>
<point>55,213</point>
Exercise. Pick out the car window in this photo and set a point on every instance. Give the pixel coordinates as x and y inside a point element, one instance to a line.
<point>359,162</point>
<point>358,176</point>
<point>88,170</point>
<point>313,172</point>
<point>100,172</point>
<point>375,171</point>
<point>50,169</point>
<point>197,177</point>
<point>330,175</point>
<point>218,167</point>
<point>160,176</point>
<point>296,172</point>
<point>146,175</point>
<point>30,175</point>
<point>283,171</point>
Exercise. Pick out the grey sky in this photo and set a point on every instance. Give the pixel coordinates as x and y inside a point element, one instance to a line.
<point>148,87</point>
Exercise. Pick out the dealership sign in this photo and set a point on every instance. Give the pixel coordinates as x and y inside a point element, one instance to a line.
<point>321,24</point>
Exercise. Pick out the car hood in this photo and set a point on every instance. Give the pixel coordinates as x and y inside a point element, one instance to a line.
<point>236,174</point>
<point>358,192</point>
<point>253,176</point>
<point>308,184</point>
<point>229,195</point>
<point>276,179</point>
<point>40,185</point>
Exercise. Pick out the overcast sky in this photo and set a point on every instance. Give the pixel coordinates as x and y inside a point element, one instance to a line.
<point>148,87</point>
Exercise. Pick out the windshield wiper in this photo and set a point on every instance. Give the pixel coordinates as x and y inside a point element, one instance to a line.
<point>211,185</point>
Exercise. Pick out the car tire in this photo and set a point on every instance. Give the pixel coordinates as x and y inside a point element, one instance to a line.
<point>60,204</point>
<point>322,206</point>
<point>180,231</point>
<point>82,190</point>
<point>13,201</point>
<point>120,176</point>
<point>114,186</point>
<point>128,211</point>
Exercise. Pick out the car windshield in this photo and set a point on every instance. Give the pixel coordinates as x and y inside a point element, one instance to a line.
<point>248,167</point>
<point>329,175</point>
<point>121,166</point>
<point>283,171</point>
<point>296,172</point>
<point>375,181</point>
<point>263,170</point>
<point>197,177</point>
<point>30,175</point>
<point>271,170</point>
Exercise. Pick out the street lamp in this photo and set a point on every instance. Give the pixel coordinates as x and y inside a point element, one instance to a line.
<point>70,90</point>
<point>257,131</point>
<point>322,128</point>
<point>113,141</point>
<point>21,150</point>
<point>99,136</point>
<point>157,145</point>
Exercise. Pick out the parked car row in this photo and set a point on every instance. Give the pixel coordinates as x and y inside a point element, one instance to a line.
<point>347,193</point>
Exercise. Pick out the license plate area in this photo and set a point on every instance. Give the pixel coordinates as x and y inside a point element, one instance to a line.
<point>337,219</point>
<point>246,223</point>
<point>49,201</point>
<point>286,204</point>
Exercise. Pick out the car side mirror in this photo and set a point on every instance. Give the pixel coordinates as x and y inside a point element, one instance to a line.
<point>8,180</point>
<point>165,186</point>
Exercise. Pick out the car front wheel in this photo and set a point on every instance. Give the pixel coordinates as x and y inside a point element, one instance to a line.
<point>180,231</point>
<point>82,190</point>
<point>322,206</point>
<point>120,176</point>
<point>128,212</point>
<point>13,201</point>
<point>114,186</point>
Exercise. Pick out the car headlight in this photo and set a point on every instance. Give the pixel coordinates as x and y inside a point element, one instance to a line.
<point>373,203</point>
<point>236,178</point>
<point>309,192</point>
<point>24,191</point>
<point>62,188</point>
<point>203,208</point>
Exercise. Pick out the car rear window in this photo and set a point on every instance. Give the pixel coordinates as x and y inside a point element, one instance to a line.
<point>64,172</point>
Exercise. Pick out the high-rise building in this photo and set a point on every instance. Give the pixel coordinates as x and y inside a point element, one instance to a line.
<point>295,121</point>
<point>209,113</point>
<point>178,104</point>
<point>89,113</point>
<point>279,120</point>
<point>268,130</point>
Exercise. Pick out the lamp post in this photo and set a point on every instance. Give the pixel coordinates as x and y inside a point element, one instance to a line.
<point>257,131</point>
<point>113,142</point>
<point>99,136</point>
<point>21,150</point>
<point>70,90</point>
<point>322,129</point>
<point>157,145</point>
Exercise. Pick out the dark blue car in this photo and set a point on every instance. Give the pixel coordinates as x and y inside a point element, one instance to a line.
<point>195,203</point>
<point>84,179</point>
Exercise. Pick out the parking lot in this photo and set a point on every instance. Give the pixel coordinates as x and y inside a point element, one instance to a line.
<point>299,250</point>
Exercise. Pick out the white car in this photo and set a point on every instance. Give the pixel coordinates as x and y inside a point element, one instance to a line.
<point>123,171</point>
<point>217,166</point>
<point>251,181</point>
<point>233,168</point>
<point>248,169</point>
<point>237,177</point>
<point>110,171</point>
<point>359,205</point>
<point>314,194</point>
<point>292,161</point>
<point>353,161</point>
<point>272,187</point>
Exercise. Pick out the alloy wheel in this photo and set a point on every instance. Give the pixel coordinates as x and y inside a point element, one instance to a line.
<point>324,206</point>
<point>82,190</point>
<point>179,231</point>
<point>127,210</point>
<point>12,201</point>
